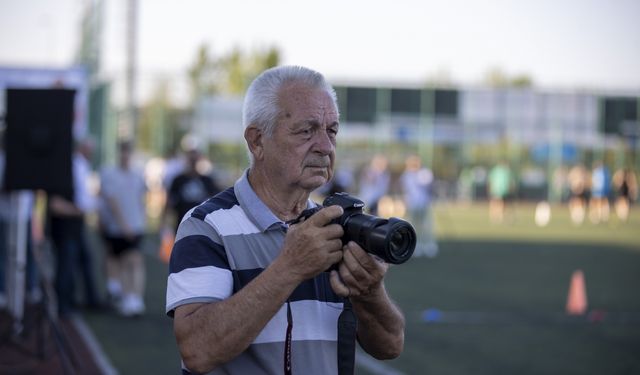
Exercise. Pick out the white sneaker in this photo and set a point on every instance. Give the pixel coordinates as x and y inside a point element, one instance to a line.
<point>431,250</point>
<point>138,307</point>
<point>131,305</point>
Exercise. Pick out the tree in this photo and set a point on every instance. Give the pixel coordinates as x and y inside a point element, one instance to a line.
<point>231,73</point>
<point>161,122</point>
<point>203,74</point>
<point>496,77</point>
<point>241,68</point>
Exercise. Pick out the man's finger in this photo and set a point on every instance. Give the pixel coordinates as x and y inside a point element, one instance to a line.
<point>325,215</point>
<point>337,285</point>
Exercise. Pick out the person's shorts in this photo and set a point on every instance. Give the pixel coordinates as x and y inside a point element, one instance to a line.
<point>119,245</point>
<point>584,195</point>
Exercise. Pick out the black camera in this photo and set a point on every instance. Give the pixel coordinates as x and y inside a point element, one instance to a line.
<point>393,239</point>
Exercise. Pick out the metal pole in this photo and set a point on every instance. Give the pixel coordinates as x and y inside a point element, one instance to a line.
<point>17,259</point>
<point>555,157</point>
<point>128,129</point>
<point>426,142</point>
<point>383,118</point>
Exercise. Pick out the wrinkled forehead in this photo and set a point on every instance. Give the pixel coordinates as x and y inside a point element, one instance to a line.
<point>302,96</point>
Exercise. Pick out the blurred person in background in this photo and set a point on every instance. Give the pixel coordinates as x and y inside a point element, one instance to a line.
<point>417,182</point>
<point>122,225</point>
<point>67,211</point>
<point>174,165</point>
<point>465,186</point>
<point>625,184</point>
<point>500,183</point>
<point>34,294</point>
<point>247,287</point>
<point>5,217</point>
<point>578,180</point>
<point>188,188</point>
<point>374,182</point>
<point>600,190</point>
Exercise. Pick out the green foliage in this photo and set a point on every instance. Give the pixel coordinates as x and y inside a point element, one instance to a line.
<point>496,77</point>
<point>203,73</point>
<point>162,123</point>
<point>231,73</point>
<point>160,128</point>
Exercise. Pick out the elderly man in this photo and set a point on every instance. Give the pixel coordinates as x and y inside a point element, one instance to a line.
<point>248,292</point>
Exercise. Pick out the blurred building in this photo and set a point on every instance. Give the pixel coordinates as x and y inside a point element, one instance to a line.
<point>457,115</point>
<point>488,115</point>
<point>454,127</point>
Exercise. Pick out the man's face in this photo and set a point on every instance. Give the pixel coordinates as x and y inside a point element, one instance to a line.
<point>301,150</point>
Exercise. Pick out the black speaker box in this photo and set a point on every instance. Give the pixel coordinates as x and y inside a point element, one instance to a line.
<point>38,139</point>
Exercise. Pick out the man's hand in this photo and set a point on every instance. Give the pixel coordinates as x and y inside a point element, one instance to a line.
<point>359,274</point>
<point>63,207</point>
<point>312,246</point>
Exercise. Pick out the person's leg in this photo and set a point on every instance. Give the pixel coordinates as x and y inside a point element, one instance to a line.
<point>576,210</point>
<point>132,270</point>
<point>86,268</point>
<point>605,209</point>
<point>622,208</point>
<point>432,244</point>
<point>113,272</point>
<point>138,272</point>
<point>66,260</point>
<point>496,210</point>
<point>34,294</point>
<point>133,279</point>
<point>3,262</point>
<point>594,210</point>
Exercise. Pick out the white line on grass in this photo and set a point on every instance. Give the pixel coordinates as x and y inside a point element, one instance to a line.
<point>100,357</point>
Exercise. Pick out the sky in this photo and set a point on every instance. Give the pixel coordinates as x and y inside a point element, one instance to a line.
<point>568,44</point>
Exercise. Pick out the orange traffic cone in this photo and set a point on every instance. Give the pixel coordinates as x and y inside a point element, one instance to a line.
<point>577,298</point>
<point>166,245</point>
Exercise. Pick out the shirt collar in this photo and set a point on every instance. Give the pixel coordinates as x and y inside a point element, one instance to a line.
<point>255,209</point>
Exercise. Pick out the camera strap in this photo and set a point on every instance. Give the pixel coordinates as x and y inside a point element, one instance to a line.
<point>347,324</point>
<point>287,343</point>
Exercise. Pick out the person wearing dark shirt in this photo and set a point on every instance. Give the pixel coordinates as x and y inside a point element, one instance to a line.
<point>189,188</point>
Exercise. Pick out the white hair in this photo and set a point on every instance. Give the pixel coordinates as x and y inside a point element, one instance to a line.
<point>261,108</point>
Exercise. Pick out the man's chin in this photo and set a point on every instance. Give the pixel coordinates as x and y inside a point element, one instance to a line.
<point>314,182</point>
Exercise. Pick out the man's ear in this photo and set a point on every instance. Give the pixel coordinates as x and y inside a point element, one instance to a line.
<point>254,138</point>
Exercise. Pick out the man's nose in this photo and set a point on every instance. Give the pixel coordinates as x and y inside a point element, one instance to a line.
<point>323,143</point>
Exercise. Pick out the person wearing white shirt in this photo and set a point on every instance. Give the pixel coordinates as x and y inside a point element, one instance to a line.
<point>416,184</point>
<point>122,224</point>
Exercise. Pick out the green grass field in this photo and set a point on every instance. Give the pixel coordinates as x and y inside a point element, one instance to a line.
<point>508,282</point>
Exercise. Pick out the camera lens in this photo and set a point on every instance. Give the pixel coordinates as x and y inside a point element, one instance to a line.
<point>393,240</point>
<point>400,242</point>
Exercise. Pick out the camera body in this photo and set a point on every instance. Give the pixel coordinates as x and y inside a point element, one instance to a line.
<point>349,204</point>
<point>393,239</point>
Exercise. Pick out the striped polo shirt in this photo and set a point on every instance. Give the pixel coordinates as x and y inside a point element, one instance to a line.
<point>224,243</point>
